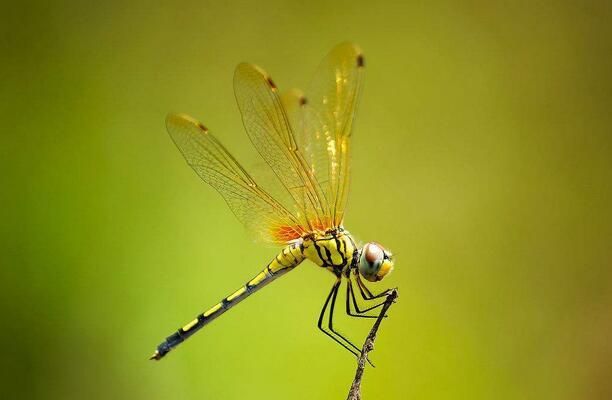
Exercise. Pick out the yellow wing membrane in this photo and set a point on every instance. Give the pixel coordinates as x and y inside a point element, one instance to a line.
<point>304,140</point>
<point>270,131</point>
<point>327,115</point>
<point>255,208</point>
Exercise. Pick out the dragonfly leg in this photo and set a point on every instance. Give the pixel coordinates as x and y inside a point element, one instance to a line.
<point>332,294</point>
<point>365,292</point>
<point>331,316</point>
<point>367,295</point>
<point>350,296</point>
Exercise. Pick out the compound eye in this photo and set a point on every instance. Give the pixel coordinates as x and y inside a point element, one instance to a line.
<point>373,253</point>
<point>372,257</point>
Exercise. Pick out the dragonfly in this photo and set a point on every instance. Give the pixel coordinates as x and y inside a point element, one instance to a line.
<point>305,140</point>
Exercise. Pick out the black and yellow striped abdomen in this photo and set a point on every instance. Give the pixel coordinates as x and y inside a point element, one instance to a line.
<point>289,258</point>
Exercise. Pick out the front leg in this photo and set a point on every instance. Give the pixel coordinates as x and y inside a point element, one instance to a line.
<point>365,292</point>
<point>350,297</point>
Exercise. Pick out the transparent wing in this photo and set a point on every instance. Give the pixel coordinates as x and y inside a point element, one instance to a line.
<point>327,117</point>
<point>270,131</point>
<point>293,102</point>
<point>312,145</point>
<point>255,208</point>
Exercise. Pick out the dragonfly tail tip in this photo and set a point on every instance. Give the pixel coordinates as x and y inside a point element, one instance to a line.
<point>155,356</point>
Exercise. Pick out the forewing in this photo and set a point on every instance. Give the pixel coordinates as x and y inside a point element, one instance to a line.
<point>328,115</point>
<point>312,143</point>
<point>254,207</point>
<point>270,131</point>
<point>293,102</point>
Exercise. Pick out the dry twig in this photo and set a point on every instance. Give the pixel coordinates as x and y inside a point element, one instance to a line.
<point>355,392</point>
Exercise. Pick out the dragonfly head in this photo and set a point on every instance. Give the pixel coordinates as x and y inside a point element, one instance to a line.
<point>375,262</point>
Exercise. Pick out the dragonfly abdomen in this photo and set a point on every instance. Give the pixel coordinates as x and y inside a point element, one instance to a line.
<point>289,258</point>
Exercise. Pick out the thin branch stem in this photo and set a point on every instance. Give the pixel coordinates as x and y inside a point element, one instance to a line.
<point>355,392</point>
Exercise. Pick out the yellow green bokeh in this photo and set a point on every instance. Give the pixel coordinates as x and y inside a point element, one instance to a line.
<point>482,157</point>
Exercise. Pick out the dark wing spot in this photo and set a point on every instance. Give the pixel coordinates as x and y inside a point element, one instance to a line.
<point>205,129</point>
<point>303,101</point>
<point>271,83</point>
<point>360,60</point>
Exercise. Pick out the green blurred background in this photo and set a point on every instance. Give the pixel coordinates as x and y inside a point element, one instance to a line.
<point>482,158</point>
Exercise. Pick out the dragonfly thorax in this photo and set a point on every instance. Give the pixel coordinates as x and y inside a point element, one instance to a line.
<point>334,249</point>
